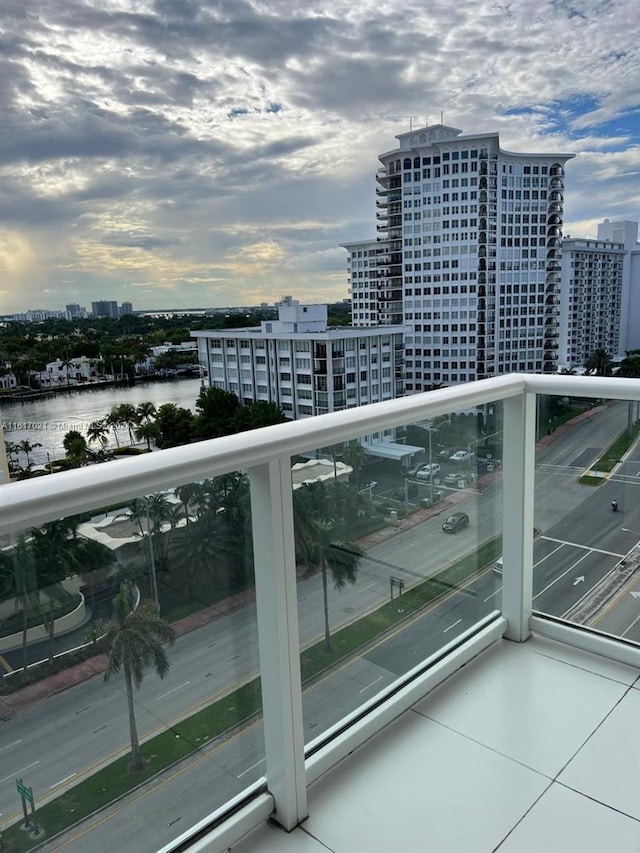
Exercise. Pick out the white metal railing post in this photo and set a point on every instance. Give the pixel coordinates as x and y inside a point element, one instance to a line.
<point>517,513</point>
<point>278,638</point>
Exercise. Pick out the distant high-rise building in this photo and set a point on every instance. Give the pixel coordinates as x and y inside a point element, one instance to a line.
<point>125,308</point>
<point>104,308</point>
<point>626,232</point>
<point>74,311</point>
<point>468,256</point>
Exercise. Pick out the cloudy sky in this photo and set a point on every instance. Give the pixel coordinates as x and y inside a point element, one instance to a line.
<point>184,153</point>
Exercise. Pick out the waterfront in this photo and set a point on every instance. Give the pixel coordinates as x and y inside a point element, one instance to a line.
<point>46,421</point>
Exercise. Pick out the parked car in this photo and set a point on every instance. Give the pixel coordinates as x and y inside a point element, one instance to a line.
<point>456,521</point>
<point>497,567</point>
<point>445,452</point>
<point>454,479</point>
<point>426,472</point>
<point>460,456</point>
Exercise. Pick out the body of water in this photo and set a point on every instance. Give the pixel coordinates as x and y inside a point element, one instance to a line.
<point>46,421</point>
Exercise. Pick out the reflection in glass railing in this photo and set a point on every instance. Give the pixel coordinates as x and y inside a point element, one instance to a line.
<point>587,515</point>
<point>156,596</point>
<point>395,539</point>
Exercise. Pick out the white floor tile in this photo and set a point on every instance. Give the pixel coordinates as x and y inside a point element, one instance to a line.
<point>565,822</point>
<point>598,664</point>
<point>418,786</point>
<point>531,707</point>
<point>607,767</point>
<point>271,839</point>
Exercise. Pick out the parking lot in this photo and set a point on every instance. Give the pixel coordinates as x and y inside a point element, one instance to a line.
<point>385,478</point>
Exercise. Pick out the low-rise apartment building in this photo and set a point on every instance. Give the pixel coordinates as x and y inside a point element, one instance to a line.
<point>303,365</point>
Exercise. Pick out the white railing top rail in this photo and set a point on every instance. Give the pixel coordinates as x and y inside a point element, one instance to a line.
<point>30,503</point>
<point>33,502</point>
<point>606,387</point>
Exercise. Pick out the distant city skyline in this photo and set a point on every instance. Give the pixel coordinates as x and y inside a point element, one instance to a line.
<point>219,153</point>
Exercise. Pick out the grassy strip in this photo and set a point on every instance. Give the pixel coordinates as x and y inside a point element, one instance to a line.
<point>116,780</point>
<point>183,739</point>
<point>612,455</point>
<point>586,480</point>
<point>316,658</point>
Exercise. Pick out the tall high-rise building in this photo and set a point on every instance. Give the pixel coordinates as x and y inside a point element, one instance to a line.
<point>591,309</point>
<point>468,256</point>
<point>125,308</point>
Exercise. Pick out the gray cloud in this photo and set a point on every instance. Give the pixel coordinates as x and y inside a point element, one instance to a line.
<point>203,145</point>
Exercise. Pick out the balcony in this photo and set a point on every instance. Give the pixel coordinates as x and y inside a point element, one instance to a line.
<point>468,691</point>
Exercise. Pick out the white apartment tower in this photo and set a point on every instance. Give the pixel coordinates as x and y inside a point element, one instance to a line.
<point>468,256</point>
<point>593,294</point>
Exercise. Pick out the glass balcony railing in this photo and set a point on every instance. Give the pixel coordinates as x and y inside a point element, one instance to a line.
<point>263,603</point>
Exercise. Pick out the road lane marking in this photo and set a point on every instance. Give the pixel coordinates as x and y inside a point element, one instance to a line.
<point>173,690</point>
<point>555,580</point>
<point>493,594</point>
<point>249,769</point>
<point>624,633</point>
<point>370,685</point>
<point>15,743</point>
<point>62,781</point>
<point>22,769</point>
<point>583,547</point>
<point>369,587</point>
<point>586,594</point>
<point>452,626</point>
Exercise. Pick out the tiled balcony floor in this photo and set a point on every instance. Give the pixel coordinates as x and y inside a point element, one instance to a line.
<point>530,747</point>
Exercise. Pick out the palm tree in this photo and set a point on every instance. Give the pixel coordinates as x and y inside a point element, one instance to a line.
<point>59,553</point>
<point>134,642</point>
<point>322,546</point>
<point>128,418</point>
<point>599,362</point>
<point>355,455</point>
<point>26,447</point>
<point>113,420</point>
<point>18,570</point>
<point>67,363</point>
<point>145,411</point>
<point>630,365</point>
<point>98,431</point>
<point>75,446</point>
<point>147,432</point>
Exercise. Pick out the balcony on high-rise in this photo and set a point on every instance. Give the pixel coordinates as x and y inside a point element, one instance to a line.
<point>312,646</point>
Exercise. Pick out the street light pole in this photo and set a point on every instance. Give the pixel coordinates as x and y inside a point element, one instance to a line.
<point>152,561</point>
<point>430,465</point>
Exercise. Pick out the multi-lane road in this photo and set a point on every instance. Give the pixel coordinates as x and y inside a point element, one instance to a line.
<point>56,743</point>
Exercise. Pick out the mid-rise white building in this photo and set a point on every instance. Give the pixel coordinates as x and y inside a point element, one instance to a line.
<point>303,365</point>
<point>468,256</point>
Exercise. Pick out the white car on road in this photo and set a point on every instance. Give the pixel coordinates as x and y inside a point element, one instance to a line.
<point>460,456</point>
